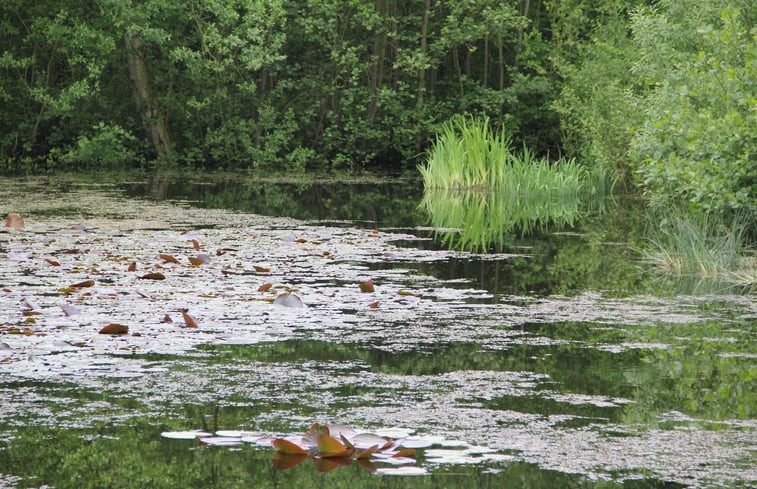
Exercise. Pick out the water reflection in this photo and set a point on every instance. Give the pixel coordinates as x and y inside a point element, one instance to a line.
<point>135,456</point>
<point>481,221</point>
<point>384,202</point>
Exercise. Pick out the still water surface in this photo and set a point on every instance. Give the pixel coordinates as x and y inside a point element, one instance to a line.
<point>555,359</point>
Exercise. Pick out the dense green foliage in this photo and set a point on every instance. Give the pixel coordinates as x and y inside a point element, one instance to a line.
<point>261,83</point>
<point>469,154</point>
<point>698,140</point>
<point>661,93</point>
<point>666,96</point>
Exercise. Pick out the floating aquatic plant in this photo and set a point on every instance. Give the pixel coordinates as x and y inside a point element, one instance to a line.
<point>330,446</point>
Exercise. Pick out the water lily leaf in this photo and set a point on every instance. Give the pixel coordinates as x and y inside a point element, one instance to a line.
<point>114,329</point>
<point>315,429</point>
<point>81,285</point>
<point>221,441</point>
<point>263,441</point>
<point>405,452</point>
<point>416,443</point>
<point>288,299</point>
<point>283,461</point>
<point>365,454</point>
<point>287,447</point>
<point>393,432</point>
<point>14,221</point>
<point>230,433</point>
<point>340,430</point>
<point>389,458</point>
<point>329,464</point>
<point>69,310</point>
<point>168,258</point>
<point>264,287</point>
<point>189,320</point>
<point>132,267</point>
<point>367,440</point>
<point>153,276</point>
<point>330,447</point>
<point>184,435</point>
<point>367,286</point>
<point>367,464</point>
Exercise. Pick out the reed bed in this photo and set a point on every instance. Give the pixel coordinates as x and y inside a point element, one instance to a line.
<point>701,246</point>
<point>469,154</point>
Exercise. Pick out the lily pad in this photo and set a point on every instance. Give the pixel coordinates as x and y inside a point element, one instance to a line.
<point>184,435</point>
<point>221,441</point>
<point>288,299</point>
<point>367,440</point>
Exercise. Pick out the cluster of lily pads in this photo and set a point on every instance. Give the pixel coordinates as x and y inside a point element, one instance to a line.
<point>329,446</point>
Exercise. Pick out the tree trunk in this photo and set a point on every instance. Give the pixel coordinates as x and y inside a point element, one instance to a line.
<point>420,135</point>
<point>379,54</point>
<point>501,62</point>
<point>263,88</point>
<point>424,40</point>
<point>524,14</point>
<point>486,61</point>
<point>154,121</point>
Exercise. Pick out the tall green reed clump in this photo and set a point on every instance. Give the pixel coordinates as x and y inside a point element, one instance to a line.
<point>703,246</point>
<point>468,154</point>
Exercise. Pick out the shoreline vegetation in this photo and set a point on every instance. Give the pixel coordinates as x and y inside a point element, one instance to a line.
<point>703,247</point>
<point>469,154</point>
<point>601,96</point>
<point>476,183</point>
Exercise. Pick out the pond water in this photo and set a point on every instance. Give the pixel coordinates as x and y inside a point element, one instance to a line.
<point>554,358</point>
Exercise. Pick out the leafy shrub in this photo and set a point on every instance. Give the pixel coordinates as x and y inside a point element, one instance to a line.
<point>107,145</point>
<point>698,143</point>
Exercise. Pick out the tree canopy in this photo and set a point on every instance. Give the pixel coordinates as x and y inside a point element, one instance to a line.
<point>660,92</point>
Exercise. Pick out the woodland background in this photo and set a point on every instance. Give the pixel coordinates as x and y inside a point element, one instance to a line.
<point>661,93</point>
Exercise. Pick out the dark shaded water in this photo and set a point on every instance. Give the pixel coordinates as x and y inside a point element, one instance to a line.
<point>559,360</point>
